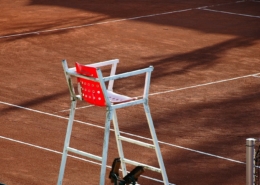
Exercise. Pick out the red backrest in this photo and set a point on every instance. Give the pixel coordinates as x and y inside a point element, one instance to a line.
<point>91,91</point>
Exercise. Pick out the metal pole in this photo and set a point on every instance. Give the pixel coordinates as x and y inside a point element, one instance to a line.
<point>67,142</point>
<point>250,153</point>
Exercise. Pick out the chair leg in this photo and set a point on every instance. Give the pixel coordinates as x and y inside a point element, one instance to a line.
<point>156,144</point>
<point>109,116</point>
<point>67,142</point>
<point>119,144</point>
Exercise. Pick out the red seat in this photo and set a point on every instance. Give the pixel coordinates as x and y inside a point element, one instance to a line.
<point>91,91</point>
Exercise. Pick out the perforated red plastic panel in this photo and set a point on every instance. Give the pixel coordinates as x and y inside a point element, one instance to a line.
<point>91,91</point>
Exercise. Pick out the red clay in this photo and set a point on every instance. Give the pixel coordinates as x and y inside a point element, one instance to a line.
<point>189,49</point>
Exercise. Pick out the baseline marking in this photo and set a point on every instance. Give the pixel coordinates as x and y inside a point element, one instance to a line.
<point>87,25</point>
<point>49,114</point>
<point>256,76</point>
<point>75,108</point>
<point>231,13</point>
<point>205,84</point>
<point>106,22</point>
<point>189,149</point>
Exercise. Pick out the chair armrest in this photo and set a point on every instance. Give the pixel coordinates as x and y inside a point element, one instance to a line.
<point>128,74</point>
<point>148,72</point>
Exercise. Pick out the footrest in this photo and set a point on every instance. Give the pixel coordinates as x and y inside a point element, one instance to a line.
<point>133,141</point>
<point>79,152</point>
<point>152,168</point>
<point>114,173</point>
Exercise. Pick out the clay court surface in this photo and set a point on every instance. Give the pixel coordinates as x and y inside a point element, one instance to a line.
<point>204,96</point>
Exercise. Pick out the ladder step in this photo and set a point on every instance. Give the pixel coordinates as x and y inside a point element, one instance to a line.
<point>136,142</point>
<point>79,152</point>
<point>152,168</point>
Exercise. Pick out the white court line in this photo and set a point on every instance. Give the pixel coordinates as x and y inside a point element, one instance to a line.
<point>205,84</point>
<point>49,114</point>
<point>231,13</point>
<point>256,76</point>
<point>106,22</point>
<point>220,4</point>
<point>75,157</point>
<point>189,149</point>
<point>87,25</point>
<point>75,108</point>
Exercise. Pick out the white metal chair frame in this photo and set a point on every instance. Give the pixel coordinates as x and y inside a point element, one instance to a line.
<point>111,115</point>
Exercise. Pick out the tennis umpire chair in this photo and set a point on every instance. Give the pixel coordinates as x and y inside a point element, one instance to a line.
<point>93,90</point>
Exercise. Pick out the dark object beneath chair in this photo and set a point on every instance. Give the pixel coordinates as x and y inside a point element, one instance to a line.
<point>114,173</point>
<point>131,177</point>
